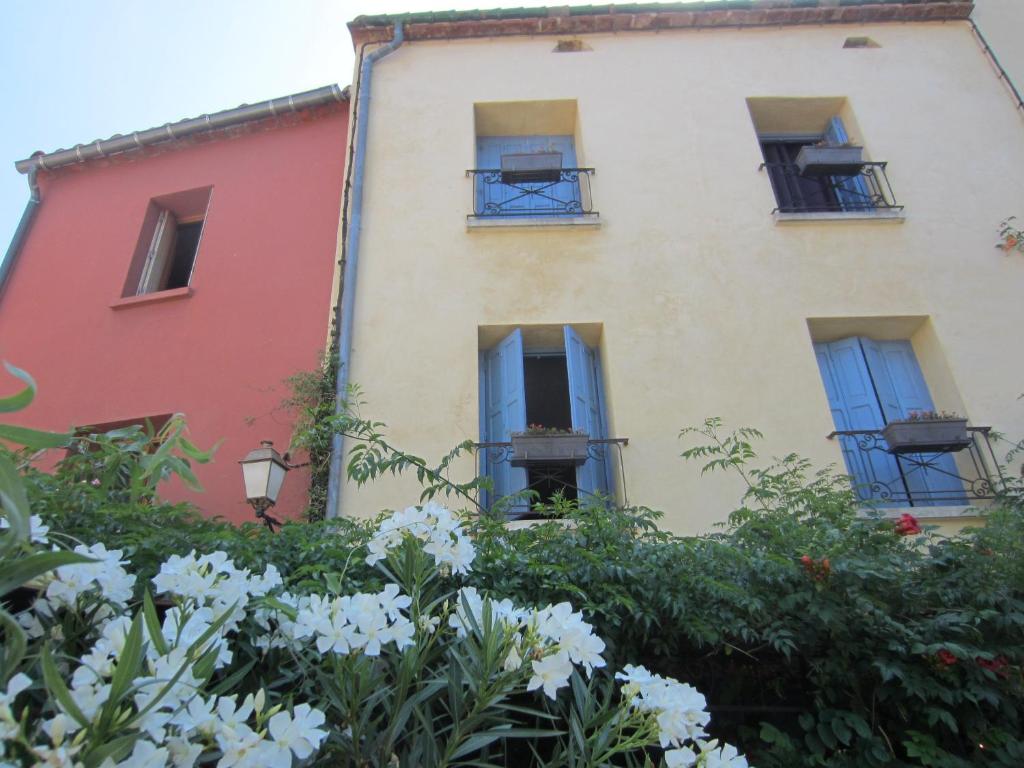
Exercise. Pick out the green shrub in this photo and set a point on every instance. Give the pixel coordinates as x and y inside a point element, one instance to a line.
<point>821,637</point>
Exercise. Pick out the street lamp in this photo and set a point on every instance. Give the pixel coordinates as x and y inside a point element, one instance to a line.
<point>263,471</point>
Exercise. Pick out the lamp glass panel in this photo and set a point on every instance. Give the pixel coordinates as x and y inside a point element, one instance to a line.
<point>257,478</point>
<point>277,473</point>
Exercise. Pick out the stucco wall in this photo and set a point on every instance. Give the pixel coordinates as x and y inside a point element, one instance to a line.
<point>261,289</point>
<point>703,299</point>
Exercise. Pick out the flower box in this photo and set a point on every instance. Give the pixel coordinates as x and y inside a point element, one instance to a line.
<point>568,448</point>
<point>927,436</point>
<point>829,161</point>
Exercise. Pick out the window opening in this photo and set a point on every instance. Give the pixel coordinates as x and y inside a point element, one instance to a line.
<point>554,389</point>
<point>186,243</point>
<point>869,384</point>
<point>172,254</point>
<point>799,190</point>
<point>527,176</point>
<point>546,381</point>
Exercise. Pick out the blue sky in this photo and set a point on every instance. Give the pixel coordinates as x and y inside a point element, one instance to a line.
<point>76,70</point>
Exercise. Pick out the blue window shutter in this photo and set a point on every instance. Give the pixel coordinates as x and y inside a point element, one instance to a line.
<point>587,412</point>
<point>932,478</point>
<point>504,412</point>
<point>518,198</point>
<point>854,405</point>
<point>851,191</point>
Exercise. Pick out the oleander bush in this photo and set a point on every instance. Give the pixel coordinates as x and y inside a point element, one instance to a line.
<point>204,660</point>
<point>819,636</point>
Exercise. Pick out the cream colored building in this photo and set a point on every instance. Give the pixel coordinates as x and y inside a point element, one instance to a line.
<point>681,277</point>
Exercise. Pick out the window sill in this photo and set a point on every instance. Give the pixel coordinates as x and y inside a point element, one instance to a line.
<point>586,221</point>
<point>156,297</point>
<point>896,216</point>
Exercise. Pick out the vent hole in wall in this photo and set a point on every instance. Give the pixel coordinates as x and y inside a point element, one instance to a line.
<point>860,42</point>
<point>571,46</point>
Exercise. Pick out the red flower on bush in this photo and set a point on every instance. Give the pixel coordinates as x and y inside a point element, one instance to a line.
<point>819,570</point>
<point>998,665</point>
<point>907,525</point>
<point>946,657</point>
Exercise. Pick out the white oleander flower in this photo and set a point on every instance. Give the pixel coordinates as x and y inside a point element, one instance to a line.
<point>684,757</point>
<point>552,673</point>
<point>90,698</point>
<point>183,753</point>
<point>231,717</point>
<point>679,708</point>
<point>197,716</point>
<point>37,529</point>
<point>726,756</point>
<point>56,757</point>
<point>298,731</point>
<point>391,602</point>
<point>243,748</point>
<point>145,754</point>
<point>59,726</point>
<point>106,574</point>
<point>434,525</point>
<point>401,633</point>
<point>8,721</point>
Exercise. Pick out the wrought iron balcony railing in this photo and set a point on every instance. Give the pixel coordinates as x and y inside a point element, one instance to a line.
<point>868,190</point>
<point>538,192</point>
<point>954,477</point>
<point>547,477</point>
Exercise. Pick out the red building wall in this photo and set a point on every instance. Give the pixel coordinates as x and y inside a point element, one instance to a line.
<point>258,310</point>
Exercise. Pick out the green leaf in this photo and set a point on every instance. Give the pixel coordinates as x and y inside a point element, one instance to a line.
<point>842,730</point>
<point>33,438</point>
<point>116,749</point>
<point>229,683</point>
<point>156,634</point>
<point>21,572</point>
<point>14,646</point>
<point>55,685</point>
<point>23,398</point>
<point>128,666</point>
<point>15,506</point>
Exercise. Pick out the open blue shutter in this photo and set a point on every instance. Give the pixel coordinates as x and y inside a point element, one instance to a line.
<point>504,413</point>
<point>587,414</point>
<point>932,478</point>
<point>854,405</point>
<point>513,199</point>
<point>851,191</point>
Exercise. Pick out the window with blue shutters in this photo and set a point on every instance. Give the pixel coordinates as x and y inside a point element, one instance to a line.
<point>870,383</point>
<point>557,388</point>
<point>527,176</point>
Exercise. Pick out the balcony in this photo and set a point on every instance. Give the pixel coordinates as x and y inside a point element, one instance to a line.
<point>548,475</point>
<point>865,194</point>
<point>540,193</point>
<point>962,475</point>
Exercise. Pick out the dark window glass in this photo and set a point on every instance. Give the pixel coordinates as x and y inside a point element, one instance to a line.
<point>793,192</point>
<point>186,242</point>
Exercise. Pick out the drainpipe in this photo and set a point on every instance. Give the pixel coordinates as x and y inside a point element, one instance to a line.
<point>22,231</point>
<point>999,67</point>
<point>348,289</point>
